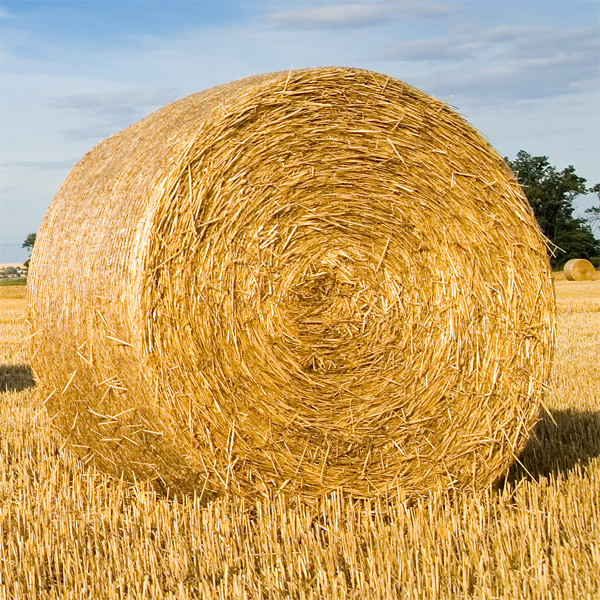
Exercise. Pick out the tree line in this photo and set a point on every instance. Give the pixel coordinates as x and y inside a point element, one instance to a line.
<point>550,193</point>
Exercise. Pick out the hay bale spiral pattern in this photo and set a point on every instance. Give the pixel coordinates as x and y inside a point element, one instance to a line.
<point>299,281</point>
<point>579,269</point>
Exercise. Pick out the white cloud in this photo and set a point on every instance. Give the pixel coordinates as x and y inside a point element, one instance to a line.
<point>5,13</point>
<point>39,165</point>
<point>107,112</point>
<point>507,62</point>
<point>509,41</point>
<point>107,101</point>
<point>531,85</point>
<point>361,14</point>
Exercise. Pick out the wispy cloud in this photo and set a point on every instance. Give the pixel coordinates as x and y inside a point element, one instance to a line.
<point>106,103</point>
<point>356,14</point>
<point>466,42</point>
<point>5,13</point>
<point>110,111</point>
<point>40,165</point>
<point>517,62</point>
<point>525,73</point>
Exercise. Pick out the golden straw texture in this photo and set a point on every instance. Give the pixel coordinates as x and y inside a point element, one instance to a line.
<point>579,269</point>
<point>303,281</point>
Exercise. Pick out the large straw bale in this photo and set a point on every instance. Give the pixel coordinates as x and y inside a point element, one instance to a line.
<point>301,281</point>
<point>579,269</point>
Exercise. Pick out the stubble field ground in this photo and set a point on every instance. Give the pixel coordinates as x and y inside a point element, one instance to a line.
<point>68,531</point>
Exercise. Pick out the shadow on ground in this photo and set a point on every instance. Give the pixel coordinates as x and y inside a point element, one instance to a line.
<point>15,378</point>
<point>561,440</point>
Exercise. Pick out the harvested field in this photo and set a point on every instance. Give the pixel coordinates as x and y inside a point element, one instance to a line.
<point>70,531</point>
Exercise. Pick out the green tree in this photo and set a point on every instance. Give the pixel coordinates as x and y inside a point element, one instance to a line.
<point>551,193</point>
<point>29,243</point>
<point>594,211</point>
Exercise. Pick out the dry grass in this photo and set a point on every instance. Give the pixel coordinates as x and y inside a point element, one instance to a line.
<point>560,276</point>
<point>68,531</point>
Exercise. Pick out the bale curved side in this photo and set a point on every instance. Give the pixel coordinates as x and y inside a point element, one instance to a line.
<point>579,269</point>
<point>302,280</point>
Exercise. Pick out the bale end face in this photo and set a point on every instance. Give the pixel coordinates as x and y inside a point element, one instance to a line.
<point>302,281</point>
<point>579,269</point>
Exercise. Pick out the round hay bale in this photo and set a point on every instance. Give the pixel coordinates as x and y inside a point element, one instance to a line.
<point>303,281</point>
<point>579,269</point>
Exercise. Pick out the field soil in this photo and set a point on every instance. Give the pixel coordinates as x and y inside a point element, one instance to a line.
<point>69,531</point>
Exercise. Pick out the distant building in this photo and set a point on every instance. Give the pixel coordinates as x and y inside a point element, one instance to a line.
<point>12,270</point>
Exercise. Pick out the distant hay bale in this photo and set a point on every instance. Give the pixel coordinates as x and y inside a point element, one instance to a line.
<point>579,269</point>
<point>302,281</point>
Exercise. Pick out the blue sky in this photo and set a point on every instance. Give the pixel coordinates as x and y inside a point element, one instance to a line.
<point>525,73</point>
